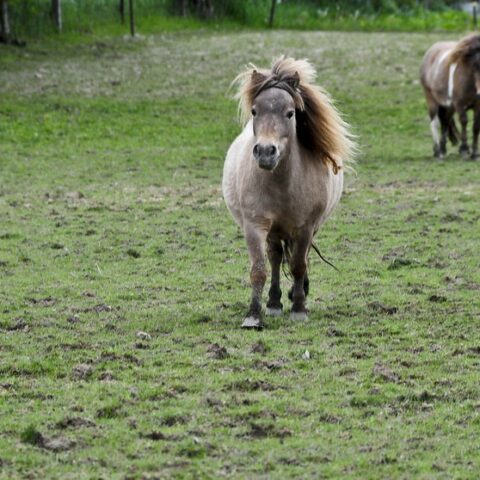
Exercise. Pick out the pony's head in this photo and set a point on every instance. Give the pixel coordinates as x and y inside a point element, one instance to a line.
<point>282,103</point>
<point>467,51</point>
<point>273,113</point>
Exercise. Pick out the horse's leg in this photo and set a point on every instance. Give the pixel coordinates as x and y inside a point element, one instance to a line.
<point>258,274</point>
<point>476,130</point>
<point>464,150</point>
<point>298,267</point>
<point>275,256</point>
<point>445,116</point>
<point>432,106</point>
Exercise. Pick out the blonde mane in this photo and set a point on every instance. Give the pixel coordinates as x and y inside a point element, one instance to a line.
<point>320,129</point>
<point>466,48</point>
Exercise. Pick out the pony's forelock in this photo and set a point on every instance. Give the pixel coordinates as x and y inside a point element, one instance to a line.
<point>320,128</point>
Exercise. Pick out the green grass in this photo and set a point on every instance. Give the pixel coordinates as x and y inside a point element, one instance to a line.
<point>113,224</point>
<point>102,17</point>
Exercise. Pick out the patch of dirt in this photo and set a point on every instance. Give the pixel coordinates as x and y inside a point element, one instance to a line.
<point>258,430</point>
<point>55,444</point>
<point>437,298</point>
<point>217,352</point>
<point>43,302</point>
<point>74,422</point>
<point>109,411</point>
<point>333,331</point>
<point>156,435</point>
<point>249,385</point>
<point>82,371</point>
<point>214,403</point>
<point>385,373</point>
<point>382,308</point>
<point>259,347</point>
<point>131,252</point>
<point>399,263</point>
<point>269,365</point>
<point>172,420</point>
<point>329,418</point>
<point>20,324</point>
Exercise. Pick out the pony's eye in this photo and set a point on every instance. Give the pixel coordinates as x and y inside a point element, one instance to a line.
<point>290,114</point>
<point>254,112</point>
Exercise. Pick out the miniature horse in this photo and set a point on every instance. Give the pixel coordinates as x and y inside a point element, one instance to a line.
<point>450,76</point>
<point>283,175</point>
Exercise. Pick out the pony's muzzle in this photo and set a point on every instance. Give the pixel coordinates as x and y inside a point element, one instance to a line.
<point>266,156</point>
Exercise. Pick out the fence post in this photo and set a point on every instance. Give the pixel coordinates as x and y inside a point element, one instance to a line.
<point>272,13</point>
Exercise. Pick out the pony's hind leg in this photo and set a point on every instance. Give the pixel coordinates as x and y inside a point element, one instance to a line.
<point>275,256</point>
<point>298,267</point>
<point>476,131</point>
<point>306,287</point>
<point>445,115</point>
<point>464,150</point>
<point>258,275</point>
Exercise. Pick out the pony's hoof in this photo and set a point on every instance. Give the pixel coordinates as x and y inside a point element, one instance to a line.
<point>298,316</point>
<point>274,312</point>
<point>252,323</point>
<point>474,156</point>
<point>464,152</point>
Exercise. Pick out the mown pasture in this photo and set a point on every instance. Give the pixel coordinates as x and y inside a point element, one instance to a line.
<point>124,279</point>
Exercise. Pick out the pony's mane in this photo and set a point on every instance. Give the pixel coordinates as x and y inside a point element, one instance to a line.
<point>466,48</point>
<point>320,129</point>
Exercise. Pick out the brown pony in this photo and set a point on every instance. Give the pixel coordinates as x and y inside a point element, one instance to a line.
<point>283,175</point>
<point>450,76</point>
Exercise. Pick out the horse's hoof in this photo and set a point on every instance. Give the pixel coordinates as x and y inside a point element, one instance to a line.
<point>252,323</point>
<point>474,156</point>
<point>274,312</point>
<point>464,152</point>
<point>298,316</point>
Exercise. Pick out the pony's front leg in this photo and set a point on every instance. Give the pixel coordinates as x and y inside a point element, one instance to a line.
<point>298,268</point>
<point>258,274</point>
<point>275,256</point>
<point>476,130</point>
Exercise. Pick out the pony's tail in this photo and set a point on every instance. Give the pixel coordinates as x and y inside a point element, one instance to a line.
<point>448,122</point>
<point>287,254</point>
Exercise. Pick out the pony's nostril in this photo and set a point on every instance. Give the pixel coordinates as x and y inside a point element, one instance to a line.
<point>256,150</point>
<point>272,150</point>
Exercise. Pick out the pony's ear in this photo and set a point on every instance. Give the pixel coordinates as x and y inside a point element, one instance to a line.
<point>294,80</point>
<point>258,77</point>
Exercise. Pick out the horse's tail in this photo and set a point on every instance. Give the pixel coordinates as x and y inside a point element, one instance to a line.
<point>287,253</point>
<point>448,122</point>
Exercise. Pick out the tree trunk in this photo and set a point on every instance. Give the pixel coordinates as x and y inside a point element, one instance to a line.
<point>5,34</point>
<point>272,13</point>
<point>57,14</point>
<point>132,18</point>
<point>204,9</point>
<point>121,9</point>
<point>180,7</point>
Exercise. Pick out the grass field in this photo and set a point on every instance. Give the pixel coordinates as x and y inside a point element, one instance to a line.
<point>124,281</point>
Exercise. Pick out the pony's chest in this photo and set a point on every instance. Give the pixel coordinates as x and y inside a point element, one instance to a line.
<point>288,206</point>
